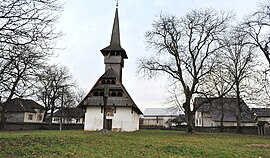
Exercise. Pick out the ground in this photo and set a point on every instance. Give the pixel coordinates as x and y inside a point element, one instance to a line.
<point>143,143</point>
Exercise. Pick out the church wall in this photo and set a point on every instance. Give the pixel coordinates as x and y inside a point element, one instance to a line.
<point>125,120</point>
<point>93,119</point>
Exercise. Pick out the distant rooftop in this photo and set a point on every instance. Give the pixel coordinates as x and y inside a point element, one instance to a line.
<point>161,112</point>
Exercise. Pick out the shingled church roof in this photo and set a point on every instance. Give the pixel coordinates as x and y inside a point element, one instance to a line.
<point>109,74</point>
<point>92,100</point>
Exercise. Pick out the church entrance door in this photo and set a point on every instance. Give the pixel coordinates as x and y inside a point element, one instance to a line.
<point>109,124</point>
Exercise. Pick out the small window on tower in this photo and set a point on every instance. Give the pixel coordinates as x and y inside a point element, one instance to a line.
<point>113,82</point>
<point>108,82</point>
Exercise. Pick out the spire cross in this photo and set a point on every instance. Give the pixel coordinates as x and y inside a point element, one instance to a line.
<point>116,3</point>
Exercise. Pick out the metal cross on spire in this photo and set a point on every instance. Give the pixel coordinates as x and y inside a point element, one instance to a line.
<point>116,3</point>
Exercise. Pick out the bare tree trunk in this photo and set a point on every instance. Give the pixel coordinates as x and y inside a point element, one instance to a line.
<point>190,122</point>
<point>238,105</point>
<point>189,117</point>
<point>51,115</point>
<point>3,119</point>
<point>222,115</point>
<point>45,116</point>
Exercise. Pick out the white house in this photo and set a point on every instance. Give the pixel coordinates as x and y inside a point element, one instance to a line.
<point>109,94</point>
<point>69,115</point>
<point>24,110</point>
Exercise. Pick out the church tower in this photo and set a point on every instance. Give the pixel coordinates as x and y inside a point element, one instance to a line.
<point>114,54</point>
<point>108,105</point>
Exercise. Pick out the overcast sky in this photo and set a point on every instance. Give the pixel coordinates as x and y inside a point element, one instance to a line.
<point>88,25</point>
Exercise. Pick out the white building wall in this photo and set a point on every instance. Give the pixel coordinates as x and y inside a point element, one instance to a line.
<point>157,120</point>
<point>264,119</point>
<point>123,120</point>
<point>35,117</point>
<point>93,119</point>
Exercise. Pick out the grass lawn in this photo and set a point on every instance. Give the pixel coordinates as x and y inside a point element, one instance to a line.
<point>143,143</point>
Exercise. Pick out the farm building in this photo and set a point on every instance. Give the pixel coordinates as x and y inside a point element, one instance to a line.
<point>69,115</point>
<point>161,117</point>
<point>211,112</point>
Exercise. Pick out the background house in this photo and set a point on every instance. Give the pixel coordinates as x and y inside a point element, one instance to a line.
<point>69,115</point>
<point>211,112</point>
<point>24,110</point>
<point>261,114</point>
<point>160,117</point>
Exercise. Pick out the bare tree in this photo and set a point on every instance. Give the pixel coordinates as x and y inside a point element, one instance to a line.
<point>54,83</point>
<point>27,34</point>
<point>216,86</point>
<point>257,26</point>
<point>240,62</point>
<point>28,22</point>
<point>17,73</point>
<point>186,51</point>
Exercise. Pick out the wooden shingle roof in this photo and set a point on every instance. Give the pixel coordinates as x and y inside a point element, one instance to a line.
<point>91,100</point>
<point>115,45</point>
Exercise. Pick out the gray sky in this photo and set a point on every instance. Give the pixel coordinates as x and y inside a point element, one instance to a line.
<point>88,24</point>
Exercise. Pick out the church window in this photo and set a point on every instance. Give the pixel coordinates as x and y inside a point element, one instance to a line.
<point>103,81</point>
<point>119,94</point>
<point>113,94</point>
<point>95,93</point>
<point>108,82</point>
<point>101,94</point>
<point>113,82</point>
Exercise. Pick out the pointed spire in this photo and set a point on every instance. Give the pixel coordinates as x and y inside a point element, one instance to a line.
<point>115,38</point>
<point>115,44</point>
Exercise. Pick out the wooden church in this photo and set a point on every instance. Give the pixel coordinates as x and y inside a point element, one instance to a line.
<point>108,104</point>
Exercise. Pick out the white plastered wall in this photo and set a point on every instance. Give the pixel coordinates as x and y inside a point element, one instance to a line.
<point>123,120</point>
